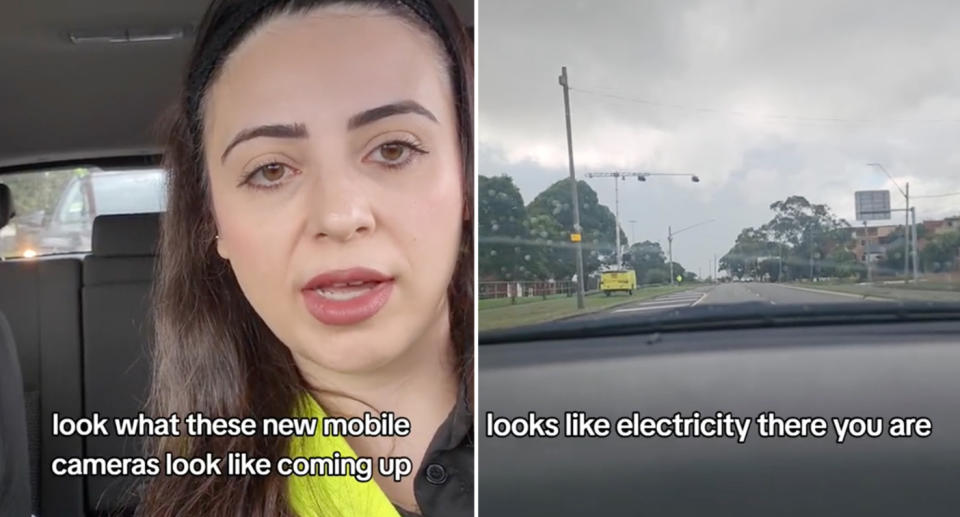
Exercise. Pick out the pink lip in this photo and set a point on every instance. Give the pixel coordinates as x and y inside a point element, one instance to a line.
<point>354,310</point>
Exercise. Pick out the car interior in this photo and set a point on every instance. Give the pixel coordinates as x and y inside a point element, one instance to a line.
<point>86,84</point>
<point>882,360</point>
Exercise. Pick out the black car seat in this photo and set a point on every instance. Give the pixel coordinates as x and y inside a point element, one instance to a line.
<point>41,301</point>
<point>14,463</point>
<point>117,280</point>
<point>6,205</point>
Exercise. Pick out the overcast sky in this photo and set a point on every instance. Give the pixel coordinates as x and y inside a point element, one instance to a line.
<point>761,99</point>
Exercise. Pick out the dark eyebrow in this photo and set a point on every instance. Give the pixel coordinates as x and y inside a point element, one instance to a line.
<point>297,130</point>
<point>388,110</point>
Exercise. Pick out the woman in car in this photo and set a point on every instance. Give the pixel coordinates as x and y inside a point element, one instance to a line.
<point>316,255</point>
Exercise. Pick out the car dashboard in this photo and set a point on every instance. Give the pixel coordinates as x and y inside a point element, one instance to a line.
<point>900,367</point>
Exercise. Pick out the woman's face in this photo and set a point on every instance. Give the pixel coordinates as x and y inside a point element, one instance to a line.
<point>335,172</point>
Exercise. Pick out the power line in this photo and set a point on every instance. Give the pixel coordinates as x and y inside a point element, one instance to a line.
<point>939,195</point>
<point>786,118</point>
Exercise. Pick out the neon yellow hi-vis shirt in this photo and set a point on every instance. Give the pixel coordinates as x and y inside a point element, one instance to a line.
<point>323,496</point>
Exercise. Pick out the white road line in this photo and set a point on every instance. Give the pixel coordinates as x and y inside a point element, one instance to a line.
<point>653,308</point>
<point>667,302</point>
<point>659,302</point>
<point>823,291</point>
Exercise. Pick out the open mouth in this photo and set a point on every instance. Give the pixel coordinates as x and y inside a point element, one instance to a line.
<point>346,297</point>
<point>346,291</point>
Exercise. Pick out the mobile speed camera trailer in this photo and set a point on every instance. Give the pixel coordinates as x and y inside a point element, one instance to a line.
<point>618,280</point>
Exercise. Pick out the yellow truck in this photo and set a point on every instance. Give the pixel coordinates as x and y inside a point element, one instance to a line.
<point>618,280</point>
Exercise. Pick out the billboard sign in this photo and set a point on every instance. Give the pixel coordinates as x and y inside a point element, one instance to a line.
<point>872,205</point>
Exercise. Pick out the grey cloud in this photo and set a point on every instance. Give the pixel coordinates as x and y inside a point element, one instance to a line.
<point>887,68</point>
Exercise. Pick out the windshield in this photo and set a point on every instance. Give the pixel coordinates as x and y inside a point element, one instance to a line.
<point>55,208</point>
<point>725,153</point>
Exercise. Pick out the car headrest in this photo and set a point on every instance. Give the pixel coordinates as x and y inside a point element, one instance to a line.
<point>126,235</point>
<point>6,205</point>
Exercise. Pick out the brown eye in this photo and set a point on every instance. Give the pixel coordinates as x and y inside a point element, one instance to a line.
<point>392,152</point>
<point>395,154</point>
<point>273,172</point>
<point>270,175</point>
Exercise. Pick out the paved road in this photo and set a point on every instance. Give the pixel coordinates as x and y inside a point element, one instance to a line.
<point>774,294</point>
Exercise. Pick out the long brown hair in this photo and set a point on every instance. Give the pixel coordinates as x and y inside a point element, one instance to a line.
<point>213,354</point>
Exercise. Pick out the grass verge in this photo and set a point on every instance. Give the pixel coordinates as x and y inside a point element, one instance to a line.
<point>537,310</point>
<point>902,292</point>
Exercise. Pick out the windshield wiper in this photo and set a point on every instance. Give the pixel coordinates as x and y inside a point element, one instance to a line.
<point>730,316</point>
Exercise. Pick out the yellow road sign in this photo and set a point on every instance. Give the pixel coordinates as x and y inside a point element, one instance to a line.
<point>574,237</point>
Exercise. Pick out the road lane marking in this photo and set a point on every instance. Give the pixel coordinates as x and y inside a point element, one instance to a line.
<point>653,308</point>
<point>824,291</point>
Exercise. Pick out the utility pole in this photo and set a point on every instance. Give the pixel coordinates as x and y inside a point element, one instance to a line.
<point>906,235</point>
<point>866,252</point>
<point>670,253</point>
<point>573,189</point>
<point>913,215</point>
<point>780,257</point>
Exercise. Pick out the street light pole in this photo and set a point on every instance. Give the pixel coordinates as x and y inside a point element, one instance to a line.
<point>906,235</point>
<point>906,222</point>
<point>573,187</point>
<point>641,176</point>
<point>616,219</point>
<point>670,234</point>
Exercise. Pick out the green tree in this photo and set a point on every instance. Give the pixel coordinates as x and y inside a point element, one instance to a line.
<point>746,257</point>
<point>941,252</point>
<point>810,231</point>
<point>547,241</point>
<point>596,220</point>
<point>842,263</point>
<point>502,228</point>
<point>644,257</point>
<point>892,262</point>
<point>799,234</point>
<point>656,276</point>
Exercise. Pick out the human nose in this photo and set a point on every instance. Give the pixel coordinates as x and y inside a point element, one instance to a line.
<point>340,208</point>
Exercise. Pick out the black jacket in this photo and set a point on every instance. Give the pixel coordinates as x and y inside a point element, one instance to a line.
<point>444,484</point>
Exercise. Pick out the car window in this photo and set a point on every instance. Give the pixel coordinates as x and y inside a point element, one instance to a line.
<point>74,208</point>
<point>129,192</point>
<point>55,208</point>
<point>733,155</point>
